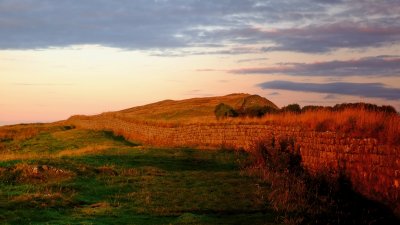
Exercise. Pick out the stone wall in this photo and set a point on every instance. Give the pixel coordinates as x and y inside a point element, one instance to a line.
<point>373,169</point>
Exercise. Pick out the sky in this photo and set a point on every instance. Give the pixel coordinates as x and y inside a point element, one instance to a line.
<point>66,57</point>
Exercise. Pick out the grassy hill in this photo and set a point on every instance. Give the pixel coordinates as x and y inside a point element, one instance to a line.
<point>201,109</point>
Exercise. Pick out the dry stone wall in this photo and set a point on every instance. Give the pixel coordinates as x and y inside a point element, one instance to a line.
<point>373,169</point>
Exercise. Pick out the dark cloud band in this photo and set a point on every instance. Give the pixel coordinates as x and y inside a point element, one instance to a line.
<point>177,24</point>
<point>370,90</point>
<point>371,66</point>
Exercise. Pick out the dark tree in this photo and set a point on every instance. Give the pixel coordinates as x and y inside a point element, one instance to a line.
<point>223,110</point>
<point>293,108</point>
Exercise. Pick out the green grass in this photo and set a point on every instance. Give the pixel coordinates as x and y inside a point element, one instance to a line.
<point>127,184</point>
<point>55,140</point>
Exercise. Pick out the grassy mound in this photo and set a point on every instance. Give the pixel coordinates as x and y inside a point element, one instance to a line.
<point>190,110</point>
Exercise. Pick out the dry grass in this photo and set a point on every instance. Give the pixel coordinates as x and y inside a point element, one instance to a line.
<point>19,132</point>
<point>353,122</point>
<point>68,152</point>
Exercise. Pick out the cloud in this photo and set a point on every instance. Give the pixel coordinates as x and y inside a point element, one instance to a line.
<point>329,1</point>
<point>370,90</point>
<point>287,25</point>
<point>42,24</point>
<point>273,93</point>
<point>325,38</point>
<point>369,66</point>
<point>382,9</point>
<point>206,70</point>
<point>140,24</point>
<point>315,38</point>
<point>197,93</point>
<point>220,50</point>
<point>330,96</point>
<point>251,60</point>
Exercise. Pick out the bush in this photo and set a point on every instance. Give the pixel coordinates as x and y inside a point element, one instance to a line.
<point>365,106</point>
<point>257,111</point>
<point>311,108</point>
<point>344,106</point>
<point>223,110</point>
<point>293,108</point>
<point>281,156</point>
<point>388,109</point>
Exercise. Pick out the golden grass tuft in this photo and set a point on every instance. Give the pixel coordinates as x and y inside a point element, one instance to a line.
<point>64,153</point>
<point>19,132</point>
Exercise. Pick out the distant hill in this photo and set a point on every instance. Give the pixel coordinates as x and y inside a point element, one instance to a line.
<point>194,108</point>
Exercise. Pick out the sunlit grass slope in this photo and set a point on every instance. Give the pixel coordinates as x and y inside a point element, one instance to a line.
<point>48,141</point>
<point>189,110</point>
<point>47,178</point>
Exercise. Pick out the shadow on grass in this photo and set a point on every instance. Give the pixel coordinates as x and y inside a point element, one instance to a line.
<point>169,162</point>
<point>121,139</point>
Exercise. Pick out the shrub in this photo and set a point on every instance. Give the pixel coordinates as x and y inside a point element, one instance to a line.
<point>311,108</point>
<point>388,109</point>
<point>257,111</point>
<point>293,108</point>
<point>365,106</point>
<point>281,156</point>
<point>223,110</point>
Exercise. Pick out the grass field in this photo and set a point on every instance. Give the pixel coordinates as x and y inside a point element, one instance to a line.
<point>58,174</point>
<point>71,176</point>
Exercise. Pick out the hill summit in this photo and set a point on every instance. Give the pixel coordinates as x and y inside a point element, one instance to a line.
<point>190,109</point>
